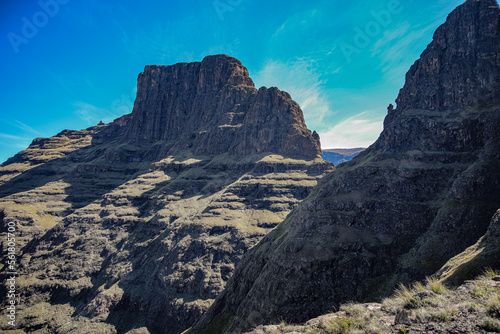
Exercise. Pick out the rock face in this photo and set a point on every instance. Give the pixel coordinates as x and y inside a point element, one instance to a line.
<point>137,225</point>
<point>470,263</point>
<point>446,311</point>
<point>212,107</point>
<point>461,67</point>
<point>422,194</point>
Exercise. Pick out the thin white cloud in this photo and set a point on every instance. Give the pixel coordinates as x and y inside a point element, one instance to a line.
<point>11,137</point>
<point>13,141</point>
<point>360,130</point>
<point>92,115</point>
<point>398,49</point>
<point>302,80</point>
<point>297,22</point>
<point>20,125</point>
<point>389,36</point>
<point>400,46</point>
<point>280,29</point>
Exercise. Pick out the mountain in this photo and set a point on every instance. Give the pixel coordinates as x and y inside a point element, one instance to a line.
<point>213,108</point>
<point>423,194</point>
<point>136,226</point>
<point>340,155</point>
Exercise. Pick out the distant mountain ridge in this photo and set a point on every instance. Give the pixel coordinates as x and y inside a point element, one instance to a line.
<point>340,155</point>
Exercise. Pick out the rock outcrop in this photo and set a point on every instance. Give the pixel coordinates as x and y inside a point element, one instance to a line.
<point>470,308</point>
<point>461,67</point>
<point>422,194</point>
<point>212,107</point>
<point>470,263</point>
<point>138,224</point>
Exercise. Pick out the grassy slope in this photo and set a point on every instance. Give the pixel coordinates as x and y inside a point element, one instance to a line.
<point>427,307</point>
<point>104,228</point>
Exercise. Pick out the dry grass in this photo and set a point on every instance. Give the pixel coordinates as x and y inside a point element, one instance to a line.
<point>474,305</point>
<point>343,325</point>
<point>436,286</point>
<point>491,325</point>
<point>493,306</point>
<point>404,297</point>
<point>489,273</point>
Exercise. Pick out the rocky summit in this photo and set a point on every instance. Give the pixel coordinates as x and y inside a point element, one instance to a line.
<point>461,67</point>
<point>212,107</point>
<point>420,201</point>
<point>137,225</point>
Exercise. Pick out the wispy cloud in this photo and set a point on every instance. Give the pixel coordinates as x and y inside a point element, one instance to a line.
<point>14,123</point>
<point>13,142</point>
<point>17,136</point>
<point>24,127</point>
<point>360,130</point>
<point>11,137</point>
<point>303,20</point>
<point>92,115</point>
<point>302,80</point>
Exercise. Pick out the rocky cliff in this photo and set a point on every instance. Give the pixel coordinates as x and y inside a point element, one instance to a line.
<point>422,194</point>
<point>212,107</point>
<point>485,253</point>
<point>460,68</point>
<point>137,225</point>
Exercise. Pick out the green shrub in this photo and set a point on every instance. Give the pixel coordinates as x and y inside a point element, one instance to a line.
<point>479,291</point>
<point>441,315</point>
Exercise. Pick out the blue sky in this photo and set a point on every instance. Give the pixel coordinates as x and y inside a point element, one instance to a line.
<point>68,64</point>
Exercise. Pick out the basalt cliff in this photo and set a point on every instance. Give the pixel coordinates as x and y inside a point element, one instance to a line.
<point>137,225</point>
<point>420,201</point>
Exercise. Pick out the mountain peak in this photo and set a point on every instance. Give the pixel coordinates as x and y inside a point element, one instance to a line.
<point>425,192</point>
<point>460,67</point>
<point>212,107</point>
<point>486,2</point>
<point>225,70</point>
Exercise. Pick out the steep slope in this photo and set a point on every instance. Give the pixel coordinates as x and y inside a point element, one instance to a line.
<point>483,254</point>
<point>139,224</point>
<point>425,307</point>
<point>423,193</point>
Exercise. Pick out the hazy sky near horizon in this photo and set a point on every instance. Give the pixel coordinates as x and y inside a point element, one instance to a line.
<point>69,64</point>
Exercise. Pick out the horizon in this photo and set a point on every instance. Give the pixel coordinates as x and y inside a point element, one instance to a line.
<point>70,65</point>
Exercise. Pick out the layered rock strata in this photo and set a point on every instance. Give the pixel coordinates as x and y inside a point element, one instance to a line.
<point>423,193</point>
<point>138,224</point>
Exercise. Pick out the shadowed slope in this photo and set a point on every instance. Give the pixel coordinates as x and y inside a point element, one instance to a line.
<point>423,193</point>
<point>140,223</point>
